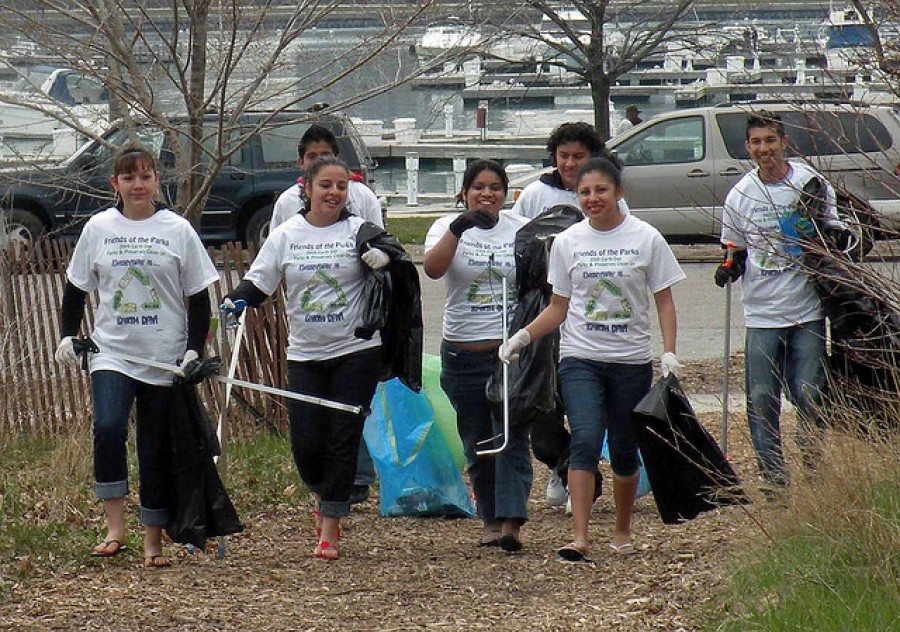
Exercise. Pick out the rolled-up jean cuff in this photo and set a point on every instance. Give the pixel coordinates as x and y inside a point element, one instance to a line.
<point>334,508</point>
<point>108,491</point>
<point>154,517</point>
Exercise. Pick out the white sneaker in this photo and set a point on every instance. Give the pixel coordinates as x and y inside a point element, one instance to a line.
<point>556,491</point>
<point>568,505</point>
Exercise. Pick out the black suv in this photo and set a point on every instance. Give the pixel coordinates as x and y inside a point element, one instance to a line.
<point>57,199</point>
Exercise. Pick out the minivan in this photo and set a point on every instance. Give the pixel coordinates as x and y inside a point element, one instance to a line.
<point>680,165</point>
<point>57,199</point>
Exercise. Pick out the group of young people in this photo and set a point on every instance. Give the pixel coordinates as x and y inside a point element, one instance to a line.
<point>606,272</point>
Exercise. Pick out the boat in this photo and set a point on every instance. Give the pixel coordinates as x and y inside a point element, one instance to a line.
<point>448,37</point>
<point>849,38</point>
<point>39,113</point>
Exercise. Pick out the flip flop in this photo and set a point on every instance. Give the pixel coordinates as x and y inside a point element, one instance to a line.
<point>102,549</point>
<point>157,561</point>
<point>573,553</point>
<point>622,549</point>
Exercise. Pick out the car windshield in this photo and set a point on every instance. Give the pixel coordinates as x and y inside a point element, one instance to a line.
<point>32,83</point>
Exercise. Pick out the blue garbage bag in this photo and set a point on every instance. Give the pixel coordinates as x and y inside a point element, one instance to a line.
<point>417,472</point>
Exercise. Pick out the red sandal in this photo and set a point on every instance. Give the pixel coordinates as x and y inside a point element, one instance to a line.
<point>326,551</point>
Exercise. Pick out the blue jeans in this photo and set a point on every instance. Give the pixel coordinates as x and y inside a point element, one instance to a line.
<point>325,442</point>
<point>501,482</point>
<point>790,359</point>
<point>599,398</point>
<point>114,393</point>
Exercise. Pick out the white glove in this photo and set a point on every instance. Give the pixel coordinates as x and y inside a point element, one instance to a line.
<point>65,352</point>
<point>376,258</point>
<point>189,356</point>
<point>510,351</point>
<point>669,363</point>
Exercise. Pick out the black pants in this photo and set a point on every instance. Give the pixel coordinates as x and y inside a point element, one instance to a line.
<point>325,441</point>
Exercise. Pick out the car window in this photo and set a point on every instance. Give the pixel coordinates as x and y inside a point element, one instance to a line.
<point>815,133</point>
<point>150,138</point>
<point>279,145</point>
<point>673,141</point>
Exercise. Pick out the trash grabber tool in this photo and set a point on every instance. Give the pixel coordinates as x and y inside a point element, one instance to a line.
<point>723,441</point>
<point>271,390</point>
<point>238,324</point>
<point>505,369</point>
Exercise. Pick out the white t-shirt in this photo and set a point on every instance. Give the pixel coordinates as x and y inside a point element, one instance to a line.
<point>609,278</point>
<point>623,126</point>
<point>474,305</point>
<point>761,217</point>
<point>142,271</point>
<point>539,196</point>
<point>361,201</point>
<point>324,276</point>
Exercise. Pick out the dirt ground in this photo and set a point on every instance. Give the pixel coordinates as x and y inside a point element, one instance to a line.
<point>414,574</point>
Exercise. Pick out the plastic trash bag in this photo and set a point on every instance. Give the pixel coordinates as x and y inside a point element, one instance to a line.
<point>688,472</point>
<point>416,469</point>
<point>444,414</point>
<point>644,487</point>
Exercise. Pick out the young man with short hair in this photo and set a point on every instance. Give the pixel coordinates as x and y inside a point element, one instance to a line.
<point>785,337</point>
<point>319,141</point>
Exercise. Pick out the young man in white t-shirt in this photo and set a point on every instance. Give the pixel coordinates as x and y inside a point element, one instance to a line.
<point>785,338</point>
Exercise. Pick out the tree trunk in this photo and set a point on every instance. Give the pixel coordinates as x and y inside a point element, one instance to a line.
<point>190,177</point>
<point>599,83</point>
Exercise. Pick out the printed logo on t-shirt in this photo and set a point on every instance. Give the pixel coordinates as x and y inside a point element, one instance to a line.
<point>323,293</point>
<point>606,301</point>
<point>135,294</point>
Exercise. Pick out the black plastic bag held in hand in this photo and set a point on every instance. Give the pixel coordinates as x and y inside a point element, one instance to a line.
<point>688,472</point>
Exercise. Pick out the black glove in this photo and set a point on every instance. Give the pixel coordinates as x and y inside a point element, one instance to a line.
<point>196,370</point>
<point>733,271</point>
<point>468,219</point>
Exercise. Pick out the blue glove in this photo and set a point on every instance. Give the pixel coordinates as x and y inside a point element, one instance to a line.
<point>233,308</point>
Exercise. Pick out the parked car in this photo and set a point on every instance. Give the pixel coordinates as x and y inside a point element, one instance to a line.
<point>680,165</point>
<point>57,199</point>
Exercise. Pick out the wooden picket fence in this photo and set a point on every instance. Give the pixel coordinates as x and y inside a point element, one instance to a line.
<point>39,396</point>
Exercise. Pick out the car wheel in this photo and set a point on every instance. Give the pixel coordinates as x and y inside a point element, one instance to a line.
<point>258,226</point>
<point>24,227</point>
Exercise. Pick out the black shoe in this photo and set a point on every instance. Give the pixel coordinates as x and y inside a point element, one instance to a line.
<point>359,494</point>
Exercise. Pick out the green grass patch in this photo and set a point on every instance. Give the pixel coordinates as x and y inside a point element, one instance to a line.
<point>410,230</point>
<point>49,517</point>
<point>831,561</point>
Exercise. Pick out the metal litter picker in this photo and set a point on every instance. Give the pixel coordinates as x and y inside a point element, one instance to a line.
<point>726,357</point>
<point>505,368</point>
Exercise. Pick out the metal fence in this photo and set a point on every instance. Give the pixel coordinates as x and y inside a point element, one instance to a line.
<point>39,396</point>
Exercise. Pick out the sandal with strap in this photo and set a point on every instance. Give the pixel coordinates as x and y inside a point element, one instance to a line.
<point>326,551</point>
<point>573,553</point>
<point>157,561</point>
<point>109,548</point>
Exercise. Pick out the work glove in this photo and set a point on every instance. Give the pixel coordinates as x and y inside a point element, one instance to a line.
<point>668,363</point>
<point>65,352</point>
<point>468,219</point>
<point>188,368</point>
<point>731,270</point>
<point>510,351</point>
<point>376,258</point>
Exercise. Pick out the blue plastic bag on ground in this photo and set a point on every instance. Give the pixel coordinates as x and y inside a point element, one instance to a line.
<point>643,481</point>
<point>416,468</point>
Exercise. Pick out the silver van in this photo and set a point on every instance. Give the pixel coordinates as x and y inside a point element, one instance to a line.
<point>679,165</point>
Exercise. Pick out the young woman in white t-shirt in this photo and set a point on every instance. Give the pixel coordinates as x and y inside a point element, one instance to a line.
<point>316,254</point>
<point>603,272</point>
<point>473,251</point>
<point>142,260</point>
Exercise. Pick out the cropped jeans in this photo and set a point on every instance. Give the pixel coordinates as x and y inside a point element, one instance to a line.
<point>791,359</point>
<point>599,398</point>
<point>114,393</point>
<point>325,442</point>
<point>501,482</point>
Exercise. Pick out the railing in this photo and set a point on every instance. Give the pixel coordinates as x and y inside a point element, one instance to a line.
<point>39,396</point>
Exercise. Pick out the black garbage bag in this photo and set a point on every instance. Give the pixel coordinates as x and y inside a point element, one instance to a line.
<point>864,328</point>
<point>688,472</point>
<point>199,503</point>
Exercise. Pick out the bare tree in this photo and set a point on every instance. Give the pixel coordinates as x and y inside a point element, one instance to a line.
<point>600,40</point>
<point>166,60</point>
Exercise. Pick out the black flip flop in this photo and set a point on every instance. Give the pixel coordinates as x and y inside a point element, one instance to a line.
<point>571,553</point>
<point>120,547</point>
